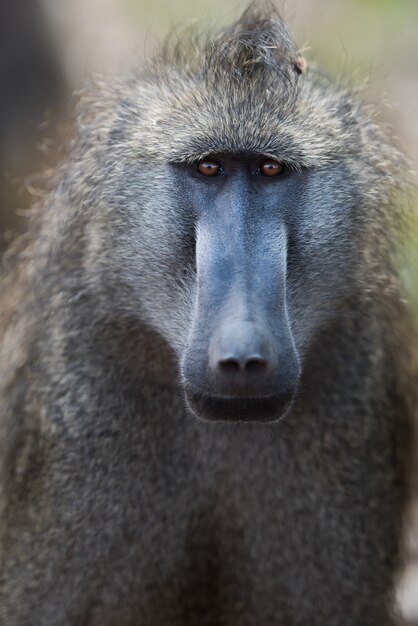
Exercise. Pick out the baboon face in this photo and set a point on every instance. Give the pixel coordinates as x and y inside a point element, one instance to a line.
<point>235,227</point>
<point>264,263</point>
<point>238,271</point>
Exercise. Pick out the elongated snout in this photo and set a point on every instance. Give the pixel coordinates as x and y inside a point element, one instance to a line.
<point>240,363</point>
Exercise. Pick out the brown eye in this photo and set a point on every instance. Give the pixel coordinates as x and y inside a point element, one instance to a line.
<point>270,167</point>
<point>209,168</point>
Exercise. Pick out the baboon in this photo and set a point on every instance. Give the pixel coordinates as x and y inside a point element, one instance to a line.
<point>206,385</point>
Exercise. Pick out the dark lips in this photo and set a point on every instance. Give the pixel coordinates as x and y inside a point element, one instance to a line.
<point>238,409</point>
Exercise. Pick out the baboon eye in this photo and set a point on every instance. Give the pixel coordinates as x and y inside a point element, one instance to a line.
<point>270,167</point>
<point>208,167</point>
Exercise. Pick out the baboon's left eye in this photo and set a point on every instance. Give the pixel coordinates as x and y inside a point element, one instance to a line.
<point>208,167</point>
<point>270,167</point>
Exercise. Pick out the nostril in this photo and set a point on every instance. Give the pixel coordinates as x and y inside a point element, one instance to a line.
<point>252,365</point>
<point>230,365</point>
<point>255,364</point>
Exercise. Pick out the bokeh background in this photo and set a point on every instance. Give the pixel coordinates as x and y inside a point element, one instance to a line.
<point>50,48</point>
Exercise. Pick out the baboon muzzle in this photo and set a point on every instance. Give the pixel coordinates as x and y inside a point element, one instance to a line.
<point>240,363</point>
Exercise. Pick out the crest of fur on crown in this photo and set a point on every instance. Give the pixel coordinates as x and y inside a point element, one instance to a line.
<point>257,47</point>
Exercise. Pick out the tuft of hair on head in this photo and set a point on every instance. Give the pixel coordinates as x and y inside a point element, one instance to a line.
<point>258,44</point>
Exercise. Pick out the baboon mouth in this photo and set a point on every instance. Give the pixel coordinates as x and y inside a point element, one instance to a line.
<point>239,409</point>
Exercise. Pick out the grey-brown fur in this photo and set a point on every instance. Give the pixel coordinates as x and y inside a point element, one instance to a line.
<point>118,507</point>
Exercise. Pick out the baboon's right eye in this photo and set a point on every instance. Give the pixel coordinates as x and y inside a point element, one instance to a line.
<point>208,167</point>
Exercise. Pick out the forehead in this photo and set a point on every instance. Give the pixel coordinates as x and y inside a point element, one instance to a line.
<point>185,118</point>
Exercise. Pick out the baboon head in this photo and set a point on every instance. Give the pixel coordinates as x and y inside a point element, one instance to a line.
<point>235,187</point>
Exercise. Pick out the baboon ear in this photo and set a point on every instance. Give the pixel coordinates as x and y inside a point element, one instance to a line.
<point>300,64</point>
